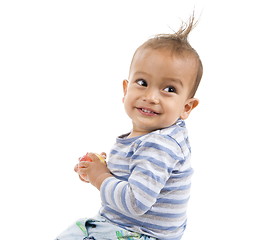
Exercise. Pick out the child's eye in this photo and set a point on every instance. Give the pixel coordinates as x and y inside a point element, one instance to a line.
<point>170,89</point>
<point>142,82</point>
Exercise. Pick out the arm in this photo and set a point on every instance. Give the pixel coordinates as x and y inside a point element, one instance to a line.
<point>150,166</point>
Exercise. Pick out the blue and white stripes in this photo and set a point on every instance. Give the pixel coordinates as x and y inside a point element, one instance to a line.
<point>150,188</point>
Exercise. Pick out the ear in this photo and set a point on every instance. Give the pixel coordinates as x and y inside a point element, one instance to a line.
<point>189,106</point>
<point>125,85</point>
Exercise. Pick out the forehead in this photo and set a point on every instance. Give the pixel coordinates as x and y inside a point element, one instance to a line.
<point>162,63</point>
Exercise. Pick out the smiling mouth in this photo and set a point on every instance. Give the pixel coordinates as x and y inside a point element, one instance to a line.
<point>147,112</point>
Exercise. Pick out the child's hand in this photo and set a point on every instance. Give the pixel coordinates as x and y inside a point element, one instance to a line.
<point>87,158</point>
<point>94,172</point>
<point>76,169</point>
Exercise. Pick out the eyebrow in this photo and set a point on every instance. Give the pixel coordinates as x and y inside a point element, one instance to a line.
<point>176,80</point>
<point>140,72</point>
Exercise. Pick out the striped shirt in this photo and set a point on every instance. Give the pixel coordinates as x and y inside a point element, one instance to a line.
<point>150,188</point>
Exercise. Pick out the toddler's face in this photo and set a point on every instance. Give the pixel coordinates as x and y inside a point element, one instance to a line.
<point>157,93</point>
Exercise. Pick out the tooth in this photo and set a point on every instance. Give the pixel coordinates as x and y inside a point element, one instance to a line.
<point>147,111</point>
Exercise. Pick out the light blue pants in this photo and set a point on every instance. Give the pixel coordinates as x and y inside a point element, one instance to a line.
<point>99,229</point>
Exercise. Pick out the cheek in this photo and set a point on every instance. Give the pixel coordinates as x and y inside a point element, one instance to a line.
<point>173,111</point>
<point>128,99</point>
<point>127,103</point>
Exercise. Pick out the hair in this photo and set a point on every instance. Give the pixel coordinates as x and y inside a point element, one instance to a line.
<point>178,44</point>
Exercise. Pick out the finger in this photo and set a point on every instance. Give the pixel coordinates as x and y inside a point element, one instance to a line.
<point>82,172</point>
<point>104,155</point>
<point>83,179</point>
<point>93,157</point>
<point>76,168</point>
<point>83,164</point>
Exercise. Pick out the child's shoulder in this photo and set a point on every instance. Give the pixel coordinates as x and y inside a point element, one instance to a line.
<point>174,134</point>
<point>172,140</point>
<point>175,131</point>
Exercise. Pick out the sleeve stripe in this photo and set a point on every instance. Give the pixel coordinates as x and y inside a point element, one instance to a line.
<point>143,188</point>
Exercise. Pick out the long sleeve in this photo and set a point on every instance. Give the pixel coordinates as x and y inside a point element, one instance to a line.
<point>150,167</point>
<point>150,187</point>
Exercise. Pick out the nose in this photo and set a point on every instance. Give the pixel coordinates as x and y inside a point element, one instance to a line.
<point>151,96</point>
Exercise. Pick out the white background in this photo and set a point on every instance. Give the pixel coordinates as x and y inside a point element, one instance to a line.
<point>61,69</point>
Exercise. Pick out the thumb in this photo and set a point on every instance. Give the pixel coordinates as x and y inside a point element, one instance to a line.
<point>93,157</point>
<point>104,155</point>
